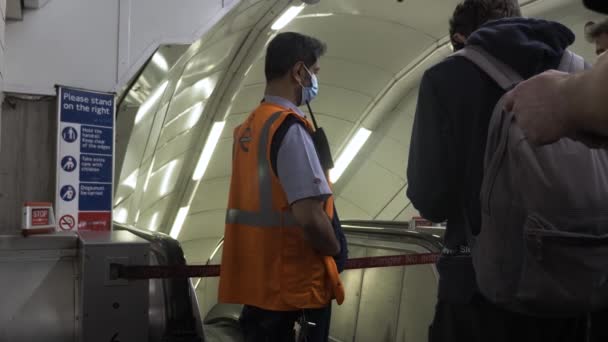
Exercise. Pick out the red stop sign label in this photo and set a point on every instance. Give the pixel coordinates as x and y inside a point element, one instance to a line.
<point>40,217</point>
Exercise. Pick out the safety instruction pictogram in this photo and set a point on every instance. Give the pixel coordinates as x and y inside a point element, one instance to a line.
<point>68,163</point>
<point>67,193</point>
<point>69,134</point>
<point>67,222</point>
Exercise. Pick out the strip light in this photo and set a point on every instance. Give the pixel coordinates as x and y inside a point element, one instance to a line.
<point>349,153</point>
<point>179,221</point>
<point>287,17</point>
<point>212,140</point>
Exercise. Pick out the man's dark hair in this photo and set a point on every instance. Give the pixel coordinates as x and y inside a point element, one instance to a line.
<point>469,15</point>
<point>594,30</point>
<point>289,48</point>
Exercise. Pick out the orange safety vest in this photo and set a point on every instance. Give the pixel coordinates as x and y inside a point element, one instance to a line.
<point>266,261</point>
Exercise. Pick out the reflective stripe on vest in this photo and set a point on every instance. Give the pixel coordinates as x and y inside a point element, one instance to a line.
<point>266,217</point>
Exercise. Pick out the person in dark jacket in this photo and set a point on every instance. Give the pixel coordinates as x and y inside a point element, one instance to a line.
<point>445,167</point>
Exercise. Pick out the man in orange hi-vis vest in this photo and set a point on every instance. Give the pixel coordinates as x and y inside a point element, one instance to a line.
<point>279,247</point>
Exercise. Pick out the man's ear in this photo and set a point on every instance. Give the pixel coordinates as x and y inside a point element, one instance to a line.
<point>459,38</point>
<point>295,73</point>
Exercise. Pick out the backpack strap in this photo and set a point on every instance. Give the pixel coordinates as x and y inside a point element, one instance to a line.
<point>501,73</point>
<point>505,77</point>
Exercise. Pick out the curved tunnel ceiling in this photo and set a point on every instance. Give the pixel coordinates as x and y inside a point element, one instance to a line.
<point>377,53</point>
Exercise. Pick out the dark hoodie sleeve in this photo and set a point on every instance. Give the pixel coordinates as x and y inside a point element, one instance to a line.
<point>427,169</point>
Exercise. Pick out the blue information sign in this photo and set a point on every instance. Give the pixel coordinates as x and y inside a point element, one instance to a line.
<point>95,168</point>
<point>95,197</point>
<point>85,157</point>
<point>85,107</point>
<point>96,140</point>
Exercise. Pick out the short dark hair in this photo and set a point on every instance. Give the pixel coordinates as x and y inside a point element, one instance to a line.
<point>594,30</point>
<point>469,15</point>
<point>289,48</point>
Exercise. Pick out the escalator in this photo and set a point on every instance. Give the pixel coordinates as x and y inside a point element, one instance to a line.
<point>174,314</point>
<point>382,304</point>
<point>174,309</point>
<point>69,286</point>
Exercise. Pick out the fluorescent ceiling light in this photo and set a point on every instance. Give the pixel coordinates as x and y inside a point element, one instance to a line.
<point>179,222</point>
<point>287,17</point>
<point>212,139</point>
<point>121,215</point>
<point>169,168</point>
<point>349,153</point>
<point>131,181</point>
<point>160,61</point>
<point>317,15</point>
<point>150,102</point>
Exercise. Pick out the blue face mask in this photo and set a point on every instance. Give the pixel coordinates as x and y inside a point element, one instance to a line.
<point>309,93</point>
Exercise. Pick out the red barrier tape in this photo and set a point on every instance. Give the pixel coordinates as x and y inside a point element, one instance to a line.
<point>201,271</point>
<point>392,260</point>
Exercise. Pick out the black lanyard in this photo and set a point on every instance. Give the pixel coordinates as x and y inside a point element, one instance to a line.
<point>321,143</point>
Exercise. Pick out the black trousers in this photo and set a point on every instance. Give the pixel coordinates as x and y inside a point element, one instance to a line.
<point>259,325</point>
<point>481,321</point>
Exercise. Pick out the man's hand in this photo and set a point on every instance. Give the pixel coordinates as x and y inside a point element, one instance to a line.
<point>540,109</point>
<point>311,216</point>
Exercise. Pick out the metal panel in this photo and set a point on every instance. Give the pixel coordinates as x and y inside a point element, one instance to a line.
<point>344,317</point>
<point>56,241</point>
<point>3,9</point>
<point>37,282</point>
<point>417,303</point>
<point>112,310</point>
<point>2,39</point>
<point>380,298</point>
<point>14,11</point>
<point>34,4</point>
<point>158,307</point>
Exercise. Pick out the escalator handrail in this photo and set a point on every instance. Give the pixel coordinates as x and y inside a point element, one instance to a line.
<point>396,228</point>
<point>376,223</point>
<point>368,228</point>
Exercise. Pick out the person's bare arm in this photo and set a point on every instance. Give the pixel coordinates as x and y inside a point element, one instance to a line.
<point>310,214</point>
<point>554,104</point>
<point>587,94</point>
